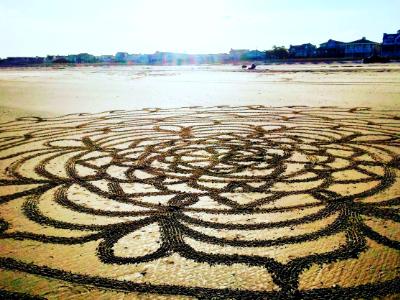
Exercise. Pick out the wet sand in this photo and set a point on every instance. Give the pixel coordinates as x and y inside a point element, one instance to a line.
<point>247,201</point>
<point>96,89</point>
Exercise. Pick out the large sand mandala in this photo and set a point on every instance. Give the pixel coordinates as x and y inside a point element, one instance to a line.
<point>222,202</point>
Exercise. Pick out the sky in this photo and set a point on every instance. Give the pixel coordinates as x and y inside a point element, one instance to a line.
<point>41,27</point>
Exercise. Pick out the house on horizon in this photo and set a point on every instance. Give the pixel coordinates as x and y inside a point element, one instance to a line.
<point>105,58</point>
<point>81,58</point>
<point>302,51</point>
<point>391,45</point>
<point>361,48</point>
<point>331,48</point>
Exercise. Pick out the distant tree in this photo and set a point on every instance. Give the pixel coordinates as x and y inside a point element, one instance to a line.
<point>121,56</point>
<point>49,58</point>
<point>277,52</point>
<point>85,58</point>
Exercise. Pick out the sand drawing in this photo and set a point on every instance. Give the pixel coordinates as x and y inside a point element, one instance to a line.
<point>213,202</point>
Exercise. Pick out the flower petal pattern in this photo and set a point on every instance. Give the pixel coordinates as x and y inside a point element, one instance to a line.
<point>285,191</point>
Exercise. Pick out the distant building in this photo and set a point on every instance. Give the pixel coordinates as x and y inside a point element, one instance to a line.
<point>71,58</point>
<point>76,58</point>
<point>105,58</point>
<point>254,55</point>
<point>121,56</point>
<point>391,45</point>
<point>162,58</point>
<point>139,58</point>
<point>304,50</point>
<point>237,54</point>
<point>85,58</point>
<point>331,48</point>
<point>133,58</point>
<point>361,48</point>
<point>218,58</point>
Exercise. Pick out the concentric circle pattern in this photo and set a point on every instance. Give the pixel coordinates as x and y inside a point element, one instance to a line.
<point>220,202</point>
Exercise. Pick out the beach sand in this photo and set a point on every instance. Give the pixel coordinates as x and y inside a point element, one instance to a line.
<point>200,182</point>
<point>96,89</point>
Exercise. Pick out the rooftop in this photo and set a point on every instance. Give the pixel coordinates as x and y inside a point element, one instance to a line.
<point>363,41</point>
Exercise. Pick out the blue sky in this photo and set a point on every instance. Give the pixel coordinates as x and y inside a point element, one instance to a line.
<point>40,27</point>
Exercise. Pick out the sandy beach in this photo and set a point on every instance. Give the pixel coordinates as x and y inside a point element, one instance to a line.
<point>200,182</point>
<point>96,89</point>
